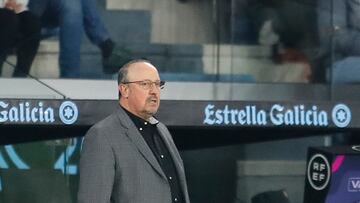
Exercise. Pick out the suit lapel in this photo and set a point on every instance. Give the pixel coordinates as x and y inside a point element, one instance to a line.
<point>136,138</point>
<point>165,135</point>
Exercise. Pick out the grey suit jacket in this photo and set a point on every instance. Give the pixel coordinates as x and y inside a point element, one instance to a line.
<point>117,165</point>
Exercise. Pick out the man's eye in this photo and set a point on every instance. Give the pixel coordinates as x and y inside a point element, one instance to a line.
<point>144,84</point>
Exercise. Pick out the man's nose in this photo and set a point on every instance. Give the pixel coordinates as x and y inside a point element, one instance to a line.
<point>153,90</point>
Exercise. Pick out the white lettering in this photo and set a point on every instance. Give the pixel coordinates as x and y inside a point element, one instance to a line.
<point>33,115</point>
<point>248,113</point>
<point>298,115</point>
<point>322,167</point>
<point>355,184</point>
<point>21,109</point>
<point>242,117</point>
<point>219,118</point>
<point>24,112</point>
<point>316,166</point>
<point>49,115</point>
<point>289,118</point>
<point>251,115</point>
<point>233,116</point>
<point>27,112</point>
<point>315,176</point>
<point>261,117</point>
<point>13,114</point>
<point>276,118</point>
<point>323,120</point>
<point>3,113</point>
<point>226,115</point>
<point>208,114</point>
<point>315,118</point>
<point>41,112</point>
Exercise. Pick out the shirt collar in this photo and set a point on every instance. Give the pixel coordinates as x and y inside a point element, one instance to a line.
<point>139,122</point>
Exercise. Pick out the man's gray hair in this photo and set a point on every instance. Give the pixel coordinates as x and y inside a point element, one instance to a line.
<point>123,71</point>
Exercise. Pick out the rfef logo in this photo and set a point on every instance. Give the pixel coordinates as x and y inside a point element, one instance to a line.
<point>318,172</point>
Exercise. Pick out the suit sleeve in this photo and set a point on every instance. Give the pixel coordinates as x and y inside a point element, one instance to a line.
<point>97,169</point>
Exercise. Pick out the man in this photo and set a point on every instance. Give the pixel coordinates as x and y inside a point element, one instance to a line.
<point>130,156</point>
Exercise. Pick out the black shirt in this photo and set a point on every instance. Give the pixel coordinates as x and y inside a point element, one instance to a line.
<point>153,139</point>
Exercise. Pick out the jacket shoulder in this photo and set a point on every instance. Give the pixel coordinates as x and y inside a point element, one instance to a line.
<point>107,127</point>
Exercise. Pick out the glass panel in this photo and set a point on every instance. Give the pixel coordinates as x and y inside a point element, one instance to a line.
<point>202,40</point>
<point>43,171</point>
<point>47,171</point>
<point>273,41</point>
<point>340,38</point>
<point>169,33</point>
<point>238,41</point>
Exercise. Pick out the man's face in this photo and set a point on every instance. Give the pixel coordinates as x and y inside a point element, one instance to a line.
<point>141,101</point>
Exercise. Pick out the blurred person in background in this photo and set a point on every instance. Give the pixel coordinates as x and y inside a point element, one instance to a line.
<point>72,17</point>
<point>19,34</point>
<point>339,34</point>
<point>285,26</point>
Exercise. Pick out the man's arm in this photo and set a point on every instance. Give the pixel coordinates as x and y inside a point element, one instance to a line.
<point>97,169</point>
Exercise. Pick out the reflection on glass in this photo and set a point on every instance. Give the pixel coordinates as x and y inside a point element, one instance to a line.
<point>274,41</point>
<point>40,171</point>
<point>202,40</point>
<point>339,31</point>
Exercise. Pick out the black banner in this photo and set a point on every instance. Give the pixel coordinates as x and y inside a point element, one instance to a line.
<point>177,113</point>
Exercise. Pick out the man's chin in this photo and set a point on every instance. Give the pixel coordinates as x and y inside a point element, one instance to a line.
<point>151,112</point>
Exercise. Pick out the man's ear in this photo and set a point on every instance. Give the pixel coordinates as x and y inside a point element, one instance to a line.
<point>124,90</point>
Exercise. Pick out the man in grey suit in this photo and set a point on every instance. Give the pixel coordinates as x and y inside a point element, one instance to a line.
<point>130,157</point>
